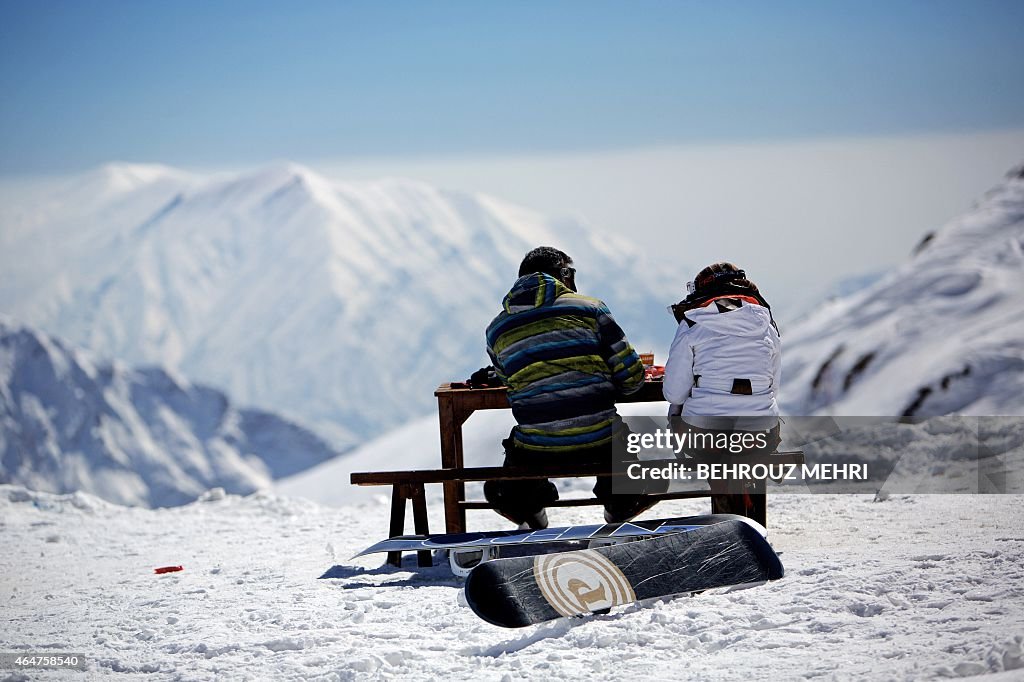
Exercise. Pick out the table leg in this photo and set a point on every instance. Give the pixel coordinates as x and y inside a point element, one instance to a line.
<point>451,421</point>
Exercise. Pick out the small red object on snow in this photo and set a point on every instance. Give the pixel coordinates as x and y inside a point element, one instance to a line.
<point>168,569</point>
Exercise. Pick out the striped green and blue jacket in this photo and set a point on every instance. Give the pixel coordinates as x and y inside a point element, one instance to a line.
<point>565,360</point>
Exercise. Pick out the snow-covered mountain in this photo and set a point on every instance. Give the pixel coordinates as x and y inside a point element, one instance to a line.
<point>942,333</point>
<point>342,303</point>
<point>140,437</point>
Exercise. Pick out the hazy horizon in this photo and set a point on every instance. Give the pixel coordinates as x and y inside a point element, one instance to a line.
<point>799,215</point>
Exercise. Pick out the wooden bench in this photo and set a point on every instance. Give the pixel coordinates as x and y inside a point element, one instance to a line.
<point>408,487</point>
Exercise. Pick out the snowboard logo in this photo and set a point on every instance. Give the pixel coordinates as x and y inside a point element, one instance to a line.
<point>574,583</point>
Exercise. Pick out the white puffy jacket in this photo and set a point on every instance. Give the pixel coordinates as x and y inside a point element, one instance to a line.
<point>720,347</point>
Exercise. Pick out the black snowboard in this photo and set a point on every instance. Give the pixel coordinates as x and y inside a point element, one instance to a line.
<point>527,590</point>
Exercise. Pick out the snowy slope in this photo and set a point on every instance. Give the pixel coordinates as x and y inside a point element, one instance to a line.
<point>343,303</point>
<point>143,436</point>
<point>880,592</point>
<point>942,333</point>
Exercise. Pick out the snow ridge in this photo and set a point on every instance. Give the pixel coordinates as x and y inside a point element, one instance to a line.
<point>943,333</point>
<point>138,437</point>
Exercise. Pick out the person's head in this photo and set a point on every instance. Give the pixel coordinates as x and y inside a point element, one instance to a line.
<point>550,261</point>
<point>716,276</point>
<point>717,279</point>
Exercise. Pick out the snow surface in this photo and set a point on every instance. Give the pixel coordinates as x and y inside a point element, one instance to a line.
<point>916,587</point>
<point>943,333</point>
<point>306,295</point>
<point>345,304</point>
<point>133,436</point>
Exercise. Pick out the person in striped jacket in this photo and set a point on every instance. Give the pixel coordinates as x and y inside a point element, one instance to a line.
<point>565,361</point>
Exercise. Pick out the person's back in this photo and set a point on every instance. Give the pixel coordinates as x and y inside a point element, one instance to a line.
<point>565,361</point>
<point>722,376</point>
<point>725,359</point>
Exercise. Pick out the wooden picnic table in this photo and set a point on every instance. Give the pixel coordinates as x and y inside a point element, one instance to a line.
<point>456,404</point>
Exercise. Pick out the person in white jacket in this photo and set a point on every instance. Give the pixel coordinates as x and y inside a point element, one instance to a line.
<point>724,365</point>
<point>722,376</point>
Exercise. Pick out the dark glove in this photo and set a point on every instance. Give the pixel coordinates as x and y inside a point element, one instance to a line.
<point>485,377</point>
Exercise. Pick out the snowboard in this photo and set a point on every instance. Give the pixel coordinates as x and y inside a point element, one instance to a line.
<point>497,538</point>
<point>524,591</point>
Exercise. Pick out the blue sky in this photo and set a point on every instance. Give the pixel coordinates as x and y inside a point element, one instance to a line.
<point>807,141</point>
<point>218,83</point>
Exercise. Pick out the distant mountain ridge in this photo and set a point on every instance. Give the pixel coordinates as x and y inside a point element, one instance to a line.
<point>943,333</point>
<point>132,436</point>
<point>344,304</point>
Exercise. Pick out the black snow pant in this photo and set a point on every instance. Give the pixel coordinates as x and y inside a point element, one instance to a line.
<point>521,500</point>
<point>743,497</point>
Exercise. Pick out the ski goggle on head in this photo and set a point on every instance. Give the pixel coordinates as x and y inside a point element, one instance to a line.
<point>708,280</point>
